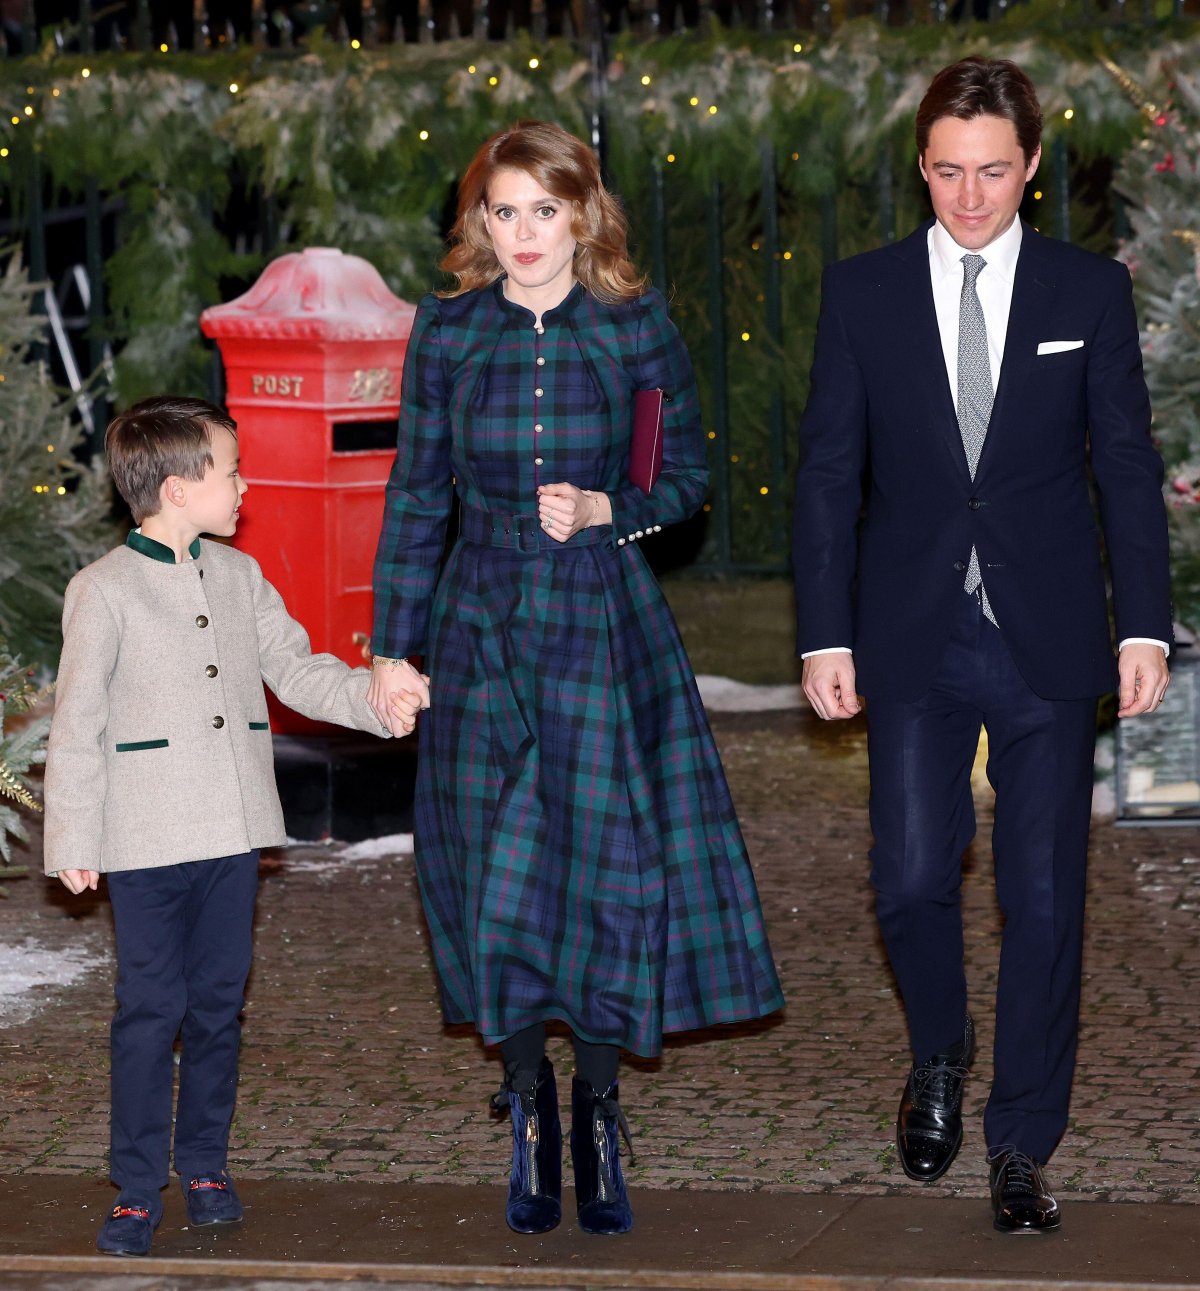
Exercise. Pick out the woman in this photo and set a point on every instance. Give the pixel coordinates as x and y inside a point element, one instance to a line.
<point>577,849</point>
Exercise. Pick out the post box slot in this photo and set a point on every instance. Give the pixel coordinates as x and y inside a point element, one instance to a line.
<point>364,436</point>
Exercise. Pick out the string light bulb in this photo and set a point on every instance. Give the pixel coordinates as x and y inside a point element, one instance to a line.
<point>356,44</point>
<point>1068,114</point>
<point>645,80</point>
<point>423,135</point>
<point>534,63</point>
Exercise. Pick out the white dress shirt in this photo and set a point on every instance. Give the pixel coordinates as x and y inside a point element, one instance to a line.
<point>994,287</point>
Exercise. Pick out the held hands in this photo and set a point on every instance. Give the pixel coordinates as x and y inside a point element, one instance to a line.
<point>828,683</point>
<point>1144,678</point>
<point>78,881</point>
<point>397,694</point>
<point>564,510</point>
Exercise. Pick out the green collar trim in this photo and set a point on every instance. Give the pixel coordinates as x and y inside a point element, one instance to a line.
<point>158,550</point>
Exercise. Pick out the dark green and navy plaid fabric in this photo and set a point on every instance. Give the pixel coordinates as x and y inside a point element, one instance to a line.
<point>577,849</point>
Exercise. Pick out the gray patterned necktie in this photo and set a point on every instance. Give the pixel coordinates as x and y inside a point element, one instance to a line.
<point>975,393</point>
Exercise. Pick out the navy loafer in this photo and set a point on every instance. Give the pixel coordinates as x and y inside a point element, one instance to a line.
<point>129,1228</point>
<point>211,1199</point>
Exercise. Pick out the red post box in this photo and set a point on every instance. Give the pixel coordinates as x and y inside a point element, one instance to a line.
<point>313,354</point>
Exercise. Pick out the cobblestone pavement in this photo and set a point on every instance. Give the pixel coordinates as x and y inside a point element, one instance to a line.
<point>348,1072</point>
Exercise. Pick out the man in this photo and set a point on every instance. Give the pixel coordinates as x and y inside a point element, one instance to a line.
<point>963,374</point>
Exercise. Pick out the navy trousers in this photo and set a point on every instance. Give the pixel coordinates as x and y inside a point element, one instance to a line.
<point>183,956</point>
<point>1040,756</point>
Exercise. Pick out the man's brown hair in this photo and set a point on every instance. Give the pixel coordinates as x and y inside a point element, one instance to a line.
<point>159,437</point>
<point>975,87</point>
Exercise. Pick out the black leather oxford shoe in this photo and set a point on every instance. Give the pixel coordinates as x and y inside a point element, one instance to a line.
<point>929,1123</point>
<point>1021,1201</point>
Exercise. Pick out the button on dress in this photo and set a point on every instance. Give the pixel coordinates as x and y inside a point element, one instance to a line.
<point>577,849</point>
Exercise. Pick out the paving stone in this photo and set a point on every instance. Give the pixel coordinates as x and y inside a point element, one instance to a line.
<point>348,1071</point>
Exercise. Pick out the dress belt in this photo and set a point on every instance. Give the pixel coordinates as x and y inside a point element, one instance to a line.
<point>522,532</point>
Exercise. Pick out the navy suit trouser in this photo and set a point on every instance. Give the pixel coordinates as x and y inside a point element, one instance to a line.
<point>1040,756</point>
<point>183,956</point>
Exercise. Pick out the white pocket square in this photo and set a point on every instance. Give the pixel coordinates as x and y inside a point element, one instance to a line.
<point>1058,347</point>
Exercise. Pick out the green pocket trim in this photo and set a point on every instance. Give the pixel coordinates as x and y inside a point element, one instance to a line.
<point>138,745</point>
<point>260,726</point>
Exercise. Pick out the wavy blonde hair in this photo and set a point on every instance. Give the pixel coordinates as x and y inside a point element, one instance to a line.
<point>567,169</point>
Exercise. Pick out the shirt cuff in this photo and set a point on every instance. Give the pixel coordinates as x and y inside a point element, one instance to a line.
<point>1162,645</point>
<point>808,654</point>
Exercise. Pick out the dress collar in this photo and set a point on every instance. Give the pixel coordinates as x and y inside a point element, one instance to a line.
<point>564,306</point>
<point>158,550</point>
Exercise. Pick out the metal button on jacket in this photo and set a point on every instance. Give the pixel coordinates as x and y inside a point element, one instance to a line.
<point>974,504</point>
<point>218,722</point>
<point>960,565</point>
<point>201,621</point>
<point>211,670</point>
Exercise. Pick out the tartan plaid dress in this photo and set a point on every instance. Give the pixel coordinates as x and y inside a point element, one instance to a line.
<point>576,845</point>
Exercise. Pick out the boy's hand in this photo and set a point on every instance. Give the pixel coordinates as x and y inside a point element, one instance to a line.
<point>78,880</point>
<point>404,708</point>
<point>395,680</point>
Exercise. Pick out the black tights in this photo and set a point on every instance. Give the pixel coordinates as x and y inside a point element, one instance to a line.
<point>595,1064</point>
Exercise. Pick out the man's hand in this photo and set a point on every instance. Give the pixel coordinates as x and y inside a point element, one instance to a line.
<point>77,881</point>
<point>828,681</point>
<point>1144,679</point>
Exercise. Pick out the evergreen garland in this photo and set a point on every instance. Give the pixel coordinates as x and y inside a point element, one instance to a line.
<point>53,511</point>
<point>19,751</point>
<point>1161,177</point>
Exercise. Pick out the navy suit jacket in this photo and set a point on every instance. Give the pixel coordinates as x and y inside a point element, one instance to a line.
<point>880,427</point>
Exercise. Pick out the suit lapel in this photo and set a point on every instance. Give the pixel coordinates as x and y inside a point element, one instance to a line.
<point>926,346</point>
<point>1030,302</point>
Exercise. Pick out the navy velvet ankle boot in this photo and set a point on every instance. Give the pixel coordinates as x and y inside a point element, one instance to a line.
<point>535,1187</point>
<point>600,1191</point>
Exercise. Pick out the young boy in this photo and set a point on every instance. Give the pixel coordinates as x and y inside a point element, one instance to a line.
<point>160,775</point>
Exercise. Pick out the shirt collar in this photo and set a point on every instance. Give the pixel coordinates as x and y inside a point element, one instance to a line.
<point>945,255</point>
<point>158,550</point>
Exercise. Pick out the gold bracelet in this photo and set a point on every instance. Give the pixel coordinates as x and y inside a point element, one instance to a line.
<point>385,662</point>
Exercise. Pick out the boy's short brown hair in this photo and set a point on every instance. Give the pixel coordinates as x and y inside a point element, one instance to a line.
<point>159,437</point>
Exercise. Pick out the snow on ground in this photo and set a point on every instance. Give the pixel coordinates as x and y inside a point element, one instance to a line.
<point>329,857</point>
<point>723,695</point>
<point>28,967</point>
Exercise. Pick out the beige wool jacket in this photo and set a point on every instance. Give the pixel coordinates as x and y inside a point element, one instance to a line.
<point>159,749</point>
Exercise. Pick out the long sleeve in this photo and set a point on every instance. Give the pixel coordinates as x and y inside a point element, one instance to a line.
<point>663,362</point>
<point>1128,473</point>
<point>419,495</point>
<point>321,686</point>
<point>833,445</point>
<point>76,778</point>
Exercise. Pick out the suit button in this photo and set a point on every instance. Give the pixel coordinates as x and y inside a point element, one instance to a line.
<point>538,461</point>
<point>539,392</point>
<point>974,504</point>
<point>218,722</point>
<point>211,670</point>
<point>960,565</point>
<point>201,621</point>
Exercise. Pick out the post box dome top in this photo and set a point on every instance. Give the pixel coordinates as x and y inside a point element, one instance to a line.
<point>315,294</point>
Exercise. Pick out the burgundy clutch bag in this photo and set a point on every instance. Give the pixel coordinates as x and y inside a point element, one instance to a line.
<point>646,446</point>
